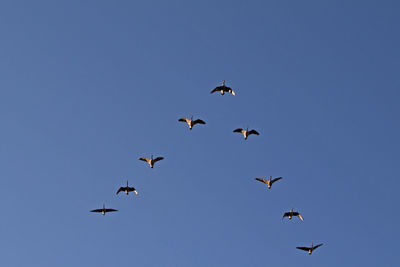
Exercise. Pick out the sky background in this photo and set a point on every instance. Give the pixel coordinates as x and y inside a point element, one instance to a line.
<point>88,87</point>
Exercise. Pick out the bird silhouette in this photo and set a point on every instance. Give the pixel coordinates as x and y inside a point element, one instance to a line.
<point>191,122</point>
<point>103,210</point>
<point>269,181</point>
<point>291,214</point>
<point>151,161</point>
<point>127,189</point>
<point>223,89</point>
<point>310,249</point>
<point>246,132</point>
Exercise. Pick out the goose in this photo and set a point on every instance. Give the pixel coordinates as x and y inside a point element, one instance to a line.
<point>268,182</point>
<point>223,88</point>
<point>151,161</point>
<point>191,122</point>
<point>310,249</point>
<point>246,132</point>
<point>292,213</point>
<point>103,210</point>
<point>127,189</point>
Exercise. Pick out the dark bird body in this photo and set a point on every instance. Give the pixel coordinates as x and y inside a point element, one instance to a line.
<point>151,161</point>
<point>310,249</point>
<point>191,122</point>
<point>127,189</point>
<point>269,181</point>
<point>246,132</point>
<point>223,89</point>
<point>291,214</point>
<point>103,210</point>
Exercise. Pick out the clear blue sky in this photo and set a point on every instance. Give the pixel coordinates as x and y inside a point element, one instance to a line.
<point>88,87</point>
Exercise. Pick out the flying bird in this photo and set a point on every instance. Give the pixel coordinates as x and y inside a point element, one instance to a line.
<point>310,249</point>
<point>246,132</point>
<point>269,181</point>
<point>191,122</point>
<point>151,161</point>
<point>103,210</point>
<point>127,189</point>
<point>223,88</point>
<point>291,214</point>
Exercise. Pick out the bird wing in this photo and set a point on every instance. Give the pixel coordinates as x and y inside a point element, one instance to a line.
<point>299,215</point>
<point>120,189</point>
<point>216,89</point>
<point>286,214</point>
<point>131,189</point>
<point>158,159</point>
<point>96,210</point>
<point>276,179</point>
<point>145,159</point>
<point>198,122</point>
<point>184,120</point>
<point>253,132</point>
<point>261,180</point>
<point>227,89</point>
<point>238,130</point>
<point>110,210</point>
<point>303,248</point>
<point>317,246</point>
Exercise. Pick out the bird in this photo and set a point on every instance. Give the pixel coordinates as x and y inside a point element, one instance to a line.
<point>246,132</point>
<point>223,88</point>
<point>191,122</point>
<point>292,213</point>
<point>127,189</point>
<point>103,210</point>
<point>151,161</point>
<point>310,249</point>
<point>269,181</point>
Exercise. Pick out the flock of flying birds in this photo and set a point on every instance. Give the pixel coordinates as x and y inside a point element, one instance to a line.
<point>246,133</point>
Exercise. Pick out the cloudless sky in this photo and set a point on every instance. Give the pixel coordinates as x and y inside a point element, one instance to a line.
<point>88,87</point>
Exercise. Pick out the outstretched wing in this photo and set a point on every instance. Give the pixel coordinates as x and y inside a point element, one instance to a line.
<point>253,132</point>
<point>145,159</point>
<point>120,189</point>
<point>299,215</point>
<point>303,248</point>
<point>262,180</point>
<point>216,89</point>
<point>317,246</point>
<point>96,210</point>
<point>132,189</point>
<point>158,159</point>
<point>110,210</point>
<point>238,130</point>
<point>229,90</point>
<point>184,120</point>
<point>286,214</point>
<point>276,179</point>
<point>198,122</point>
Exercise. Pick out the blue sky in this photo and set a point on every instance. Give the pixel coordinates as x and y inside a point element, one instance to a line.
<point>88,87</point>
